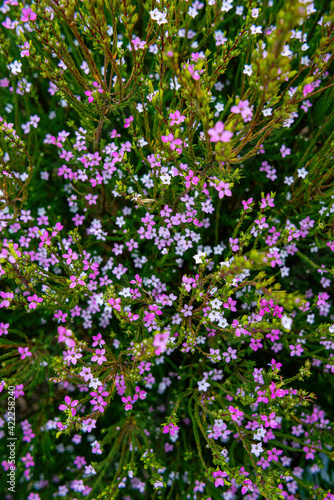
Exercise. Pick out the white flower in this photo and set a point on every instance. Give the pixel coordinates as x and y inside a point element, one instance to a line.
<point>257,449</point>
<point>160,17</point>
<point>223,323</point>
<point>248,70</point>
<point>310,318</point>
<point>198,257</point>
<point>305,61</point>
<point>142,141</point>
<point>285,271</point>
<point>15,67</point>
<point>216,303</point>
<point>120,221</point>
<point>302,172</point>
<point>94,383</point>
<point>192,12</point>
<point>267,112</point>
<point>227,5</point>
<point>256,29</point>
<point>203,385</point>
<point>255,13</point>
<point>165,178</point>
<point>286,51</point>
<point>259,434</point>
<point>288,180</point>
<point>286,322</point>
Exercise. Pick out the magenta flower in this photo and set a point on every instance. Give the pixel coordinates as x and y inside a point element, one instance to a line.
<point>307,89</point>
<point>267,201</point>
<point>34,300</point>
<point>28,460</point>
<point>274,454</point>
<point>45,239</point>
<point>160,341</point>
<point>191,179</point>
<point>69,256</point>
<point>28,15</point>
<point>248,486</point>
<point>138,44</point>
<point>24,351</point>
<point>75,281</point>
<point>4,328</point>
<point>63,336</point>
<point>269,421</point>
<point>219,134</point>
<point>7,296</point>
<point>223,189</point>
<point>171,429</point>
<point>243,109</point>
<point>247,203</point>
<point>235,413</point>
<point>234,244</point>
<point>115,303</point>
<point>99,356</point>
<point>98,340</point>
<point>176,118</point>
<point>218,475</point>
<point>69,405</point>
<point>89,93</point>
<point>128,121</point>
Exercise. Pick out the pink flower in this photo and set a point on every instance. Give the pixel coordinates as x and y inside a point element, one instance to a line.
<point>7,296</point>
<point>171,428</point>
<point>4,328</point>
<point>307,89</point>
<point>71,356</point>
<point>138,44</point>
<point>89,93</point>
<point>247,486</point>
<point>115,303</point>
<point>274,454</point>
<point>219,474</point>
<point>63,336</point>
<point>160,341</point>
<point>128,121</point>
<point>223,189</point>
<point>69,405</point>
<point>218,134</point>
<point>34,300</point>
<point>269,421</point>
<point>191,179</point>
<point>45,238</point>
<point>24,351</point>
<point>235,413</point>
<point>267,201</point>
<point>28,15</point>
<point>99,356</point>
<point>247,203</point>
<point>9,24</point>
<point>176,118</point>
<point>296,350</point>
<point>244,109</point>
<point>75,281</point>
<point>234,244</point>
